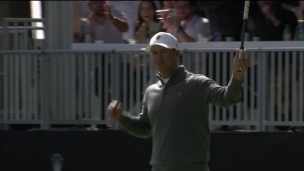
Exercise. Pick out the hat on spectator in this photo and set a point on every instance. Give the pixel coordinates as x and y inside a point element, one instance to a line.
<point>163,39</point>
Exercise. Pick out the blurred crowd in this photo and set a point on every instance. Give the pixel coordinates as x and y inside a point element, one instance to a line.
<point>135,22</point>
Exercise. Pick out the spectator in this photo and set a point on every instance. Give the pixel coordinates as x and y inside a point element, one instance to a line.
<point>129,8</point>
<point>105,23</point>
<point>187,25</point>
<point>165,14</point>
<point>147,23</point>
<point>267,20</point>
<point>225,17</point>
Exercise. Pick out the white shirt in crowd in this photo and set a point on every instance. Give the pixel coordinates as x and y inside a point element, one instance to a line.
<point>196,26</point>
<point>106,32</point>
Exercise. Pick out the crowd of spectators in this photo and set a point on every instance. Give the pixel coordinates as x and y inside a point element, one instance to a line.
<point>189,21</point>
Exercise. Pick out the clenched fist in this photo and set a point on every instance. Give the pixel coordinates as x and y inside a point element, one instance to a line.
<point>115,110</point>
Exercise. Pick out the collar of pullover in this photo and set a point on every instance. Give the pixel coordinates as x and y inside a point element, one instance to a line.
<point>179,74</point>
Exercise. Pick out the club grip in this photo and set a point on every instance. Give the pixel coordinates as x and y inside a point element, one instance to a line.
<point>246,10</point>
<point>241,50</point>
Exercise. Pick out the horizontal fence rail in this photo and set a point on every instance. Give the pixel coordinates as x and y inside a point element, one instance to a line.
<point>20,33</point>
<point>75,87</point>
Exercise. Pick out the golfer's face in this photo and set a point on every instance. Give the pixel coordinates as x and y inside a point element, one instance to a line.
<point>165,60</point>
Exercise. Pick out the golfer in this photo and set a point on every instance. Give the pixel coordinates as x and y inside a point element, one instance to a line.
<point>175,108</point>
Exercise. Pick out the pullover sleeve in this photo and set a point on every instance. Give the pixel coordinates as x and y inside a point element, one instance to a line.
<point>224,96</point>
<point>138,126</point>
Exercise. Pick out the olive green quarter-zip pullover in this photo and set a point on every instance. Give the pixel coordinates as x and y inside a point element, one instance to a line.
<point>176,115</point>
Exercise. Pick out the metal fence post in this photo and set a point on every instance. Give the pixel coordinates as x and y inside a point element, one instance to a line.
<point>6,37</point>
<point>44,91</point>
<point>262,89</point>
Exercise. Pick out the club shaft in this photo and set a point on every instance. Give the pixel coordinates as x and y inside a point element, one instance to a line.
<point>245,17</point>
<point>243,33</point>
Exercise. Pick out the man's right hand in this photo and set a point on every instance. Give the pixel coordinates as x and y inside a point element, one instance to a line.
<point>115,110</point>
<point>172,21</point>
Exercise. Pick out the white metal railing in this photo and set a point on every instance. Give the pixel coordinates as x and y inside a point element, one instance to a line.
<point>19,33</point>
<point>285,88</point>
<point>75,87</point>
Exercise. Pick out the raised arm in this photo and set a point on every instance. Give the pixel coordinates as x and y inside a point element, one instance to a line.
<point>117,20</point>
<point>226,96</point>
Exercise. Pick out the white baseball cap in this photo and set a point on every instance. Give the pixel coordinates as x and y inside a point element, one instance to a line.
<point>164,39</point>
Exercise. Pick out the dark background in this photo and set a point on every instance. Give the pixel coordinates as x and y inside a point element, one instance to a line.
<point>108,150</point>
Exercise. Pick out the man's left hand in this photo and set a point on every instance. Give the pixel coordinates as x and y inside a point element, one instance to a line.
<point>240,64</point>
